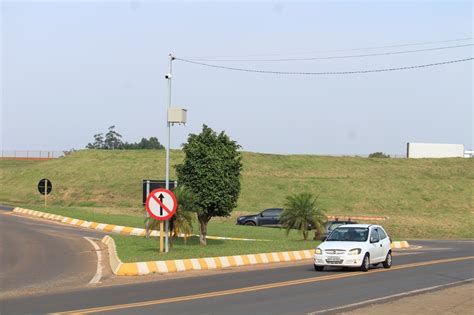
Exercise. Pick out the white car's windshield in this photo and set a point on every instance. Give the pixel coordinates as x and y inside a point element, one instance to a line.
<point>349,234</point>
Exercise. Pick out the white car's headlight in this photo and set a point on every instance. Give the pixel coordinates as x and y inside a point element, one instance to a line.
<point>355,251</point>
<point>318,251</point>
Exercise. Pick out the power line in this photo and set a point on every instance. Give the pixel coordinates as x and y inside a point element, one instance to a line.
<point>338,50</point>
<point>338,57</point>
<point>327,72</point>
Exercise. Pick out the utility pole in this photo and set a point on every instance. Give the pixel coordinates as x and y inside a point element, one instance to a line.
<point>167,178</point>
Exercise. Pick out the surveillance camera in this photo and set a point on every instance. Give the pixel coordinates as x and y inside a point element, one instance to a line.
<point>168,76</point>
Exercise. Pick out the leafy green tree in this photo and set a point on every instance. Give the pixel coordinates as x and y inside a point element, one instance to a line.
<point>113,140</point>
<point>302,213</point>
<point>211,170</point>
<point>98,142</point>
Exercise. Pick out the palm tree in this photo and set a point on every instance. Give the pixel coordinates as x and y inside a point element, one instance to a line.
<point>302,213</point>
<point>182,221</point>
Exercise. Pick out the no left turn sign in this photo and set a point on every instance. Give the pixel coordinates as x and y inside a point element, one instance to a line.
<point>161,204</point>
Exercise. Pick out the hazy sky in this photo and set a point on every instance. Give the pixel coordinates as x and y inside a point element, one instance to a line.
<point>71,69</point>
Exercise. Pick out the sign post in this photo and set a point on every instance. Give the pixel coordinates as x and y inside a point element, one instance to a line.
<point>175,116</point>
<point>45,187</point>
<point>147,222</point>
<point>150,185</point>
<point>161,236</point>
<point>161,204</point>
<point>45,193</point>
<point>168,124</point>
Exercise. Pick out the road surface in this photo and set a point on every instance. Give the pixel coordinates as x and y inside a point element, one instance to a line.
<point>290,289</point>
<point>38,256</point>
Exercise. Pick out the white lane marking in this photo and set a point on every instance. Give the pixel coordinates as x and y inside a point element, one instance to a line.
<point>98,273</point>
<point>391,296</point>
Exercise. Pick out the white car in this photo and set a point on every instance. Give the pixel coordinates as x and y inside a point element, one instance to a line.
<point>351,246</point>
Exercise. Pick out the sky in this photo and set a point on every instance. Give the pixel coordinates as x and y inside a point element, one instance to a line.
<point>70,70</point>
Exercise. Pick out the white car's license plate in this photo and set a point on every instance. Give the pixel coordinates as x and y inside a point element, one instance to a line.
<point>332,258</point>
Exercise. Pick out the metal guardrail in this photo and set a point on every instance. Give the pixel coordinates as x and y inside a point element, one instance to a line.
<point>30,154</point>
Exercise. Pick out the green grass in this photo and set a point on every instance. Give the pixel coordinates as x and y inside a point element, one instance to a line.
<point>424,198</point>
<point>133,249</point>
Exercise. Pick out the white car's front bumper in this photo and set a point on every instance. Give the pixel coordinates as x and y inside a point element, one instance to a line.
<point>338,260</point>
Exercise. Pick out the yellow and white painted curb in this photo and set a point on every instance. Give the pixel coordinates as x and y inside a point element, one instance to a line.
<point>112,228</point>
<point>402,244</point>
<point>85,224</point>
<point>165,266</point>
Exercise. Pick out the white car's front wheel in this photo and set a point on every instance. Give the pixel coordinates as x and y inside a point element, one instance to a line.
<point>318,268</point>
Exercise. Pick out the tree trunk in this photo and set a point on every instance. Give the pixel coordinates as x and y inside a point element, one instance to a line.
<point>317,234</point>
<point>305,235</point>
<point>203,220</point>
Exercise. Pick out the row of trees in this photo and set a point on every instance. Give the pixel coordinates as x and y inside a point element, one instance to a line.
<point>112,140</point>
<point>209,186</point>
<point>379,155</point>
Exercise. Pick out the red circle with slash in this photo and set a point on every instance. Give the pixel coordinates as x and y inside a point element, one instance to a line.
<point>161,204</point>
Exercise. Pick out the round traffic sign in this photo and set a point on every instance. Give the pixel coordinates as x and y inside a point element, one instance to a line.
<point>45,186</point>
<point>161,204</point>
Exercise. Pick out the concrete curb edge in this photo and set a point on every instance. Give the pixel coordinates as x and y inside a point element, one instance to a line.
<point>401,244</point>
<point>165,266</point>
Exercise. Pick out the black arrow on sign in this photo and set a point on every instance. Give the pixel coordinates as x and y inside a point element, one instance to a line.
<point>161,197</point>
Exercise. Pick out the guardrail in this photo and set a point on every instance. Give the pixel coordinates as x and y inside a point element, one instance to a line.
<point>30,154</point>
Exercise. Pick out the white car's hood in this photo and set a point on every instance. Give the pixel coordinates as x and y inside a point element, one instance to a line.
<point>341,245</point>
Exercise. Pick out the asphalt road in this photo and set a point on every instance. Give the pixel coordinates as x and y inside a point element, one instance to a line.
<point>294,289</point>
<point>38,256</point>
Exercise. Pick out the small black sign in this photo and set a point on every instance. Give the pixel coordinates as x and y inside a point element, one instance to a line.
<point>156,183</point>
<point>45,186</point>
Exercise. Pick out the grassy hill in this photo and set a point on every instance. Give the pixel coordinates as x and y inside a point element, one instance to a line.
<point>424,198</point>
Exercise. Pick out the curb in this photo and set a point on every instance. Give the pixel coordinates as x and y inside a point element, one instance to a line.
<point>112,228</point>
<point>166,266</point>
<point>402,244</point>
<point>86,224</point>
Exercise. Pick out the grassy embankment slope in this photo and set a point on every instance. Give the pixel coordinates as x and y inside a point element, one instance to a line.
<point>426,198</point>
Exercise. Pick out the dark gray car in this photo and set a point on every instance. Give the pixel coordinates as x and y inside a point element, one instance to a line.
<point>268,217</point>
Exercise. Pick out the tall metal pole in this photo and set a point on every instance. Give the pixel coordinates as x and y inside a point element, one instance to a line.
<point>170,75</point>
<point>147,215</point>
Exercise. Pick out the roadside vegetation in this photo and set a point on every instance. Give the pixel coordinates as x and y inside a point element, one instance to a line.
<point>112,140</point>
<point>302,213</point>
<point>424,198</point>
<point>137,248</point>
<point>211,173</point>
<point>134,249</point>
